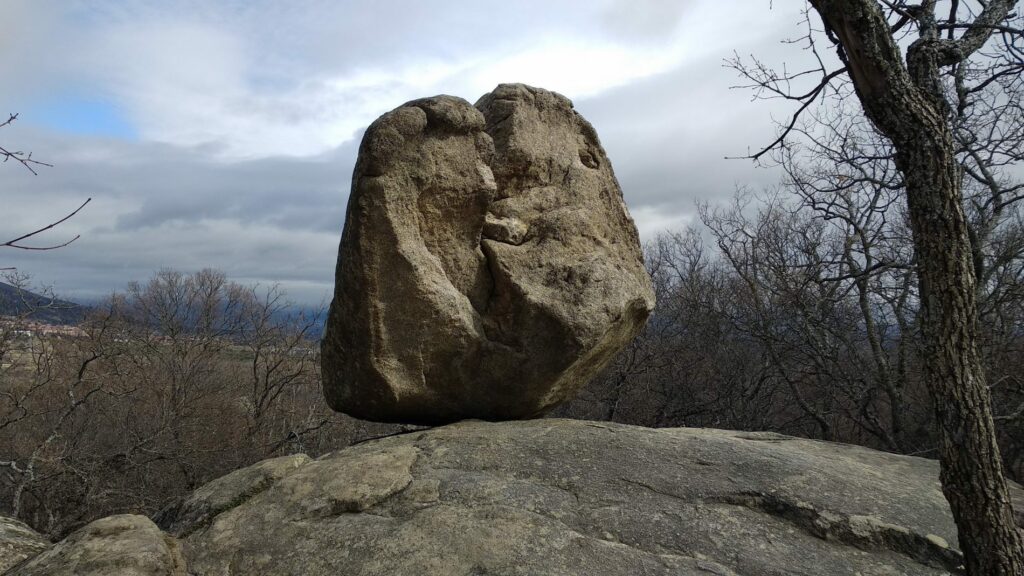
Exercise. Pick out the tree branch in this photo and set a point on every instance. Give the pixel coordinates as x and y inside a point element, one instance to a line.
<point>15,242</point>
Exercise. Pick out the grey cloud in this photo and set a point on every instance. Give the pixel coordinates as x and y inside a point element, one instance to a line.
<point>669,137</point>
<point>310,38</point>
<point>644,20</point>
<point>154,206</point>
<point>278,219</point>
<point>157,183</point>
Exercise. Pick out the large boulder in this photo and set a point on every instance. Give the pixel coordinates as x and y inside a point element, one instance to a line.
<point>488,267</point>
<point>125,545</point>
<point>562,497</point>
<point>18,542</point>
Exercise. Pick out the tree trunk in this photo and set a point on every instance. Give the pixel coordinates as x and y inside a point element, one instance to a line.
<point>972,470</point>
<point>907,105</point>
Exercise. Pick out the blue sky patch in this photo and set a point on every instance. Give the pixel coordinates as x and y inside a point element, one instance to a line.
<point>81,116</point>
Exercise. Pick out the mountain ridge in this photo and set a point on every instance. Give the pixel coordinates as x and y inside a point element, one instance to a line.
<point>19,302</point>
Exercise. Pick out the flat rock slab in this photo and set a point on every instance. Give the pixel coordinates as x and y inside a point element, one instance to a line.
<point>567,497</point>
<point>488,266</point>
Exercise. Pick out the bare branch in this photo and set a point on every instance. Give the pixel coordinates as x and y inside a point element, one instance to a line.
<point>15,243</point>
<point>25,159</point>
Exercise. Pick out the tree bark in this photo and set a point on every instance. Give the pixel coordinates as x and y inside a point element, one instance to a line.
<point>906,103</point>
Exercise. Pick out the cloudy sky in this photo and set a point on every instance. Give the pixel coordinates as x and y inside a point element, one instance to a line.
<point>223,134</point>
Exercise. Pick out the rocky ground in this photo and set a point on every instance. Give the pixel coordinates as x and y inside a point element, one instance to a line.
<point>537,497</point>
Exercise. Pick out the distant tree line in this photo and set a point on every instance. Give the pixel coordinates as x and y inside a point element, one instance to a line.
<point>892,282</point>
<point>767,320</point>
<point>770,316</point>
<point>798,309</point>
<point>168,385</point>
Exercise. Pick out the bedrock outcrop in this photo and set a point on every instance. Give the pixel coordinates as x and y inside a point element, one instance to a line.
<point>545,497</point>
<point>18,542</point>
<point>488,267</point>
<point>125,545</point>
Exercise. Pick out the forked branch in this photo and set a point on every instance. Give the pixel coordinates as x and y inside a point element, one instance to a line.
<point>23,158</point>
<point>16,242</point>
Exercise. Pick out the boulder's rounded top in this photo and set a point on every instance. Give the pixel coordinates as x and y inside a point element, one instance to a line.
<point>449,114</point>
<point>525,93</point>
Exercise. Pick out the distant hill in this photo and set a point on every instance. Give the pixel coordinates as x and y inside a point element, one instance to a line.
<point>17,302</point>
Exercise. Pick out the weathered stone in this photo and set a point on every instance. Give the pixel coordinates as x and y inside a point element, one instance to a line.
<point>488,267</point>
<point>18,542</point>
<point>124,545</point>
<point>564,497</point>
<point>197,509</point>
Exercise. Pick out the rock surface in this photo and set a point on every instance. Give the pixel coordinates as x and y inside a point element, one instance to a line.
<point>225,493</point>
<point>124,545</point>
<point>18,542</point>
<point>551,497</point>
<point>488,267</point>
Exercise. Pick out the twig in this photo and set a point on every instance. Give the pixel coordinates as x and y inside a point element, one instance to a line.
<point>15,242</point>
<point>24,159</point>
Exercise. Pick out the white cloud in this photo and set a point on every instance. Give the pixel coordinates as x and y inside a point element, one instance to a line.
<point>652,220</point>
<point>191,85</point>
<point>260,81</point>
<point>247,114</point>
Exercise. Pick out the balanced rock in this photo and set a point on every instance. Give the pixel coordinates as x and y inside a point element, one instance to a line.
<point>488,267</point>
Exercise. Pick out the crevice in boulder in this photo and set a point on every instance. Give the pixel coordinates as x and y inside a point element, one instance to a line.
<point>863,532</point>
<point>179,566</point>
<point>655,490</point>
<point>207,519</point>
<point>179,512</point>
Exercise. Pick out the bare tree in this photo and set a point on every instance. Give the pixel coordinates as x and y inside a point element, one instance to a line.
<point>46,384</point>
<point>691,366</point>
<point>168,385</point>
<point>922,101</point>
<point>281,359</point>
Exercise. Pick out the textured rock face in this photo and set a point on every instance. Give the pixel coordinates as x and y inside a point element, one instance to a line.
<point>225,493</point>
<point>125,545</point>
<point>488,267</point>
<point>553,497</point>
<point>18,542</point>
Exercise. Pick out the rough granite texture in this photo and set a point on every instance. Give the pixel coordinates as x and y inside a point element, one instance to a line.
<point>199,508</point>
<point>18,542</point>
<point>546,497</point>
<point>123,545</point>
<point>488,266</point>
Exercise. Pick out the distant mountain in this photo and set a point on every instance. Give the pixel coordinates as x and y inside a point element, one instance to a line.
<point>17,302</point>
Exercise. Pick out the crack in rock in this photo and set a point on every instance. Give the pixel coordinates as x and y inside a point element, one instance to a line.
<point>863,532</point>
